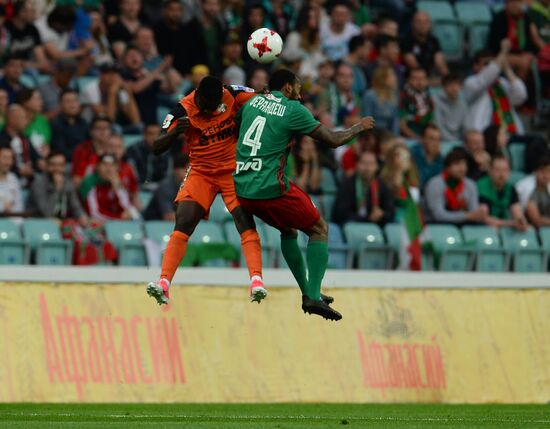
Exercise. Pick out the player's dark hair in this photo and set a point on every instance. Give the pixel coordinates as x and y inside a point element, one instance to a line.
<point>456,155</point>
<point>280,78</point>
<point>451,78</point>
<point>210,88</point>
<point>356,42</point>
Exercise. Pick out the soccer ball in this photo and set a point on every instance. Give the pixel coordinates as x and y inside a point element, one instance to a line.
<point>264,45</point>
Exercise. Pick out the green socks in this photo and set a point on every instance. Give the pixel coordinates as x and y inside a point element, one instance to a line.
<point>317,261</point>
<point>293,257</point>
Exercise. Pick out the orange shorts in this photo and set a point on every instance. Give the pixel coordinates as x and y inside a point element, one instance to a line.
<point>203,189</point>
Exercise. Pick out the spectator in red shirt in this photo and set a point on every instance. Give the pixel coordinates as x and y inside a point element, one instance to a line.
<point>86,154</point>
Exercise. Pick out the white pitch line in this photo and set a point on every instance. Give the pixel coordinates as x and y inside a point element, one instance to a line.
<point>272,417</point>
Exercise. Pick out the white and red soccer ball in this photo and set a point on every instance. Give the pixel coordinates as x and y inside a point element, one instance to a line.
<point>264,45</point>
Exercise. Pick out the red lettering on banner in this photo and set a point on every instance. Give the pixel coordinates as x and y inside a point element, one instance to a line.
<point>401,365</point>
<point>87,349</point>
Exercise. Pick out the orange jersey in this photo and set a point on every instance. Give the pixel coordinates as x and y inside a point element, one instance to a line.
<point>212,138</point>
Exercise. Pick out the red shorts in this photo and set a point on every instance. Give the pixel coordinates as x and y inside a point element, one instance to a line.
<point>292,210</point>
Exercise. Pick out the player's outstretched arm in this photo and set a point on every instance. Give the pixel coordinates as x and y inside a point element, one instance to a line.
<point>339,138</point>
<point>167,138</point>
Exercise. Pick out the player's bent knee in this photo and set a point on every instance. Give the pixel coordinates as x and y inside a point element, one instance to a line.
<point>289,234</point>
<point>319,231</point>
<point>243,220</point>
<point>188,215</point>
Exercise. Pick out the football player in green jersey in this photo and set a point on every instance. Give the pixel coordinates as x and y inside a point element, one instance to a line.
<point>268,123</point>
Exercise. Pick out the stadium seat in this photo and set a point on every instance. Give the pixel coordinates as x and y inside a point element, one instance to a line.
<point>524,246</point>
<point>213,249</point>
<point>394,233</point>
<point>516,176</point>
<point>490,256</point>
<point>544,234</point>
<point>127,236</point>
<point>13,250</point>
<point>328,183</point>
<point>367,241</point>
<point>45,240</point>
<point>477,38</point>
<point>159,230</point>
<point>340,256</point>
<point>84,81</point>
<point>271,243</point>
<point>449,249</point>
<point>438,10</point>
<point>131,139</point>
<point>451,37</point>
<point>473,12</point>
<point>161,113</point>
<point>218,211</point>
<point>447,146</point>
<point>145,198</point>
<point>517,156</point>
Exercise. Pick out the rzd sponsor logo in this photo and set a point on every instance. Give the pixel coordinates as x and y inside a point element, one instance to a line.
<point>254,165</point>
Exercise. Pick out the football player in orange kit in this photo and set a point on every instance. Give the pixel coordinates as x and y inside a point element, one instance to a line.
<point>206,119</point>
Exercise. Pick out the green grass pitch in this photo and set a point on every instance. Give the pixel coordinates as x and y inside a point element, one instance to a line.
<point>277,416</point>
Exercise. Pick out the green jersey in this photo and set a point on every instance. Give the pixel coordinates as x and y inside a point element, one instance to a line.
<point>267,125</point>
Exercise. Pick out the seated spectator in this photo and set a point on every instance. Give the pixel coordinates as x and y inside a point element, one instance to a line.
<point>3,108</point>
<point>339,99</point>
<point>87,153</point>
<point>279,16</point>
<point>490,97</point>
<point>450,109</point>
<point>24,39</point>
<point>68,128</point>
<point>27,159</point>
<point>38,130</point>
<point>388,53</point>
<point>305,42</point>
<point>415,107</point>
<point>451,197</point>
<point>399,174</point>
<point>359,49</point>
<point>115,147</point>
<point>422,49</point>
<point>477,158</point>
<point>11,200</point>
<point>212,31</point>
<point>61,80</point>
<point>103,194</point>
<point>232,52</point>
<point>307,168</point>
<point>179,40</point>
<point>363,197</point>
<point>540,17</point>
<point>258,79</point>
<point>109,96</point>
<point>101,49</point>
<point>500,197</point>
<point>526,186</point>
<point>162,205</point>
<point>514,25</point>
<point>538,206</point>
<point>146,85</point>
<point>381,101</point>
<point>53,195</point>
<point>121,32</point>
<point>336,32</point>
<point>150,168</point>
<point>13,70</point>
<point>427,155</point>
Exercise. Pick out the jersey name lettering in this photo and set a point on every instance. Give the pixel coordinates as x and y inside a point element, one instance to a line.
<point>268,107</point>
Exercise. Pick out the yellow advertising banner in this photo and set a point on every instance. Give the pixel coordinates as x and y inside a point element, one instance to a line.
<point>112,343</point>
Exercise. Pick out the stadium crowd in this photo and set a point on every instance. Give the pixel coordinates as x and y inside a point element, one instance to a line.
<point>86,84</point>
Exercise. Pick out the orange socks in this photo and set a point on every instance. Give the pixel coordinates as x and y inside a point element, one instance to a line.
<point>252,251</point>
<point>174,253</point>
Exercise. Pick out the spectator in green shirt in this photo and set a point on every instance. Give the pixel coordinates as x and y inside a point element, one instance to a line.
<point>38,130</point>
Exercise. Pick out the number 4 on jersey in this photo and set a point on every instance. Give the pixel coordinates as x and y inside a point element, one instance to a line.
<point>254,134</point>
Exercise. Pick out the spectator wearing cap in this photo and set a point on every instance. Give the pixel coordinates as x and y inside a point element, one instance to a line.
<point>422,49</point>
<point>146,85</point>
<point>103,194</point>
<point>27,159</point>
<point>150,168</point>
<point>339,99</point>
<point>382,100</point>
<point>109,96</point>
<point>359,50</point>
<point>13,70</point>
<point>11,199</point>
<point>162,206</point>
<point>87,153</point>
<point>178,40</point>
<point>427,155</point>
<point>491,98</point>
<point>451,197</point>
<point>69,127</point>
<point>388,53</point>
<point>514,24</point>
<point>538,206</point>
<point>450,109</point>
<point>122,31</point>
<point>304,43</point>
<point>415,106</point>
<point>53,195</point>
<point>198,72</point>
<point>38,130</point>
<point>500,196</point>
<point>337,31</point>
<point>62,79</point>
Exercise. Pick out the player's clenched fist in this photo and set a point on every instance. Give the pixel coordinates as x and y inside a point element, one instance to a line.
<point>182,125</point>
<point>368,123</point>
